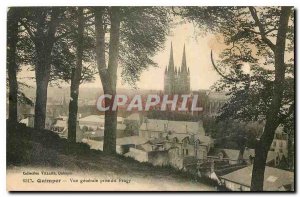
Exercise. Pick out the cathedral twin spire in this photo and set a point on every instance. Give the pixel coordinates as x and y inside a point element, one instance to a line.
<point>171,60</point>
<point>172,68</point>
<point>177,81</point>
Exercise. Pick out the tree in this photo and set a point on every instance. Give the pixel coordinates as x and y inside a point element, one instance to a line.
<point>262,38</point>
<point>12,39</point>
<point>41,25</point>
<point>83,46</point>
<point>76,77</point>
<point>55,44</point>
<point>135,34</point>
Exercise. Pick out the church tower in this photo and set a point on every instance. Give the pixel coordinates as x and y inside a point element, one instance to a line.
<point>184,76</point>
<point>170,75</point>
<point>177,81</point>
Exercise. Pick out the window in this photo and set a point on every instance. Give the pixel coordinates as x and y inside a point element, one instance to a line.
<point>187,151</point>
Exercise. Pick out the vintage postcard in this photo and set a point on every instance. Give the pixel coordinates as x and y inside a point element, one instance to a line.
<point>183,98</point>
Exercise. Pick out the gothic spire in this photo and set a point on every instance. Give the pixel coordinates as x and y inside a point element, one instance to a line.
<point>171,60</point>
<point>183,64</point>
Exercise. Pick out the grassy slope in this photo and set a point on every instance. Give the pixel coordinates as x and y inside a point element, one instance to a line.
<point>43,148</point>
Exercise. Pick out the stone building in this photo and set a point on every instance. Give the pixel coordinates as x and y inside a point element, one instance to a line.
<point>177,81</point>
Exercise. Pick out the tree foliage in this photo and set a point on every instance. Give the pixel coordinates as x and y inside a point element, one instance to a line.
<point>248,48</point>
<point>262,39</point>
<point>128,37</point>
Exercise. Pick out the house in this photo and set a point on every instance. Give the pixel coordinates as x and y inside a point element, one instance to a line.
<point>123,145</point>
<point>98,134</point>
<point>273,158</point>
<point>93,127</point>
<point>231,156</point>
<point>154,127</point>
<point>94,122</point>
<point>275,179</point>
<point>180,138</point>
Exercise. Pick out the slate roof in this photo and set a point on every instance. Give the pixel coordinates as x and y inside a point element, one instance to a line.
<point>137,140</point>
<point>232,154</point>
<point>96,118</point>
<point>274,178</point>
<point>173,126</point>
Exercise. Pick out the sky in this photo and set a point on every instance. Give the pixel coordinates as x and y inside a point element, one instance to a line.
<point>198,47</point>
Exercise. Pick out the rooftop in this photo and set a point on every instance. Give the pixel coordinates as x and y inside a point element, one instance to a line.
<point>97,118</point>
<point>174,126</point>
<point>131,140</point>
<point>274,178</point>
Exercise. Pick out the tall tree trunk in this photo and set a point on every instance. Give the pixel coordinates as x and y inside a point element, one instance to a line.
<point>75,81</point>
<point>108,75</point>
<point>12,39</point>
<point>264,143</point>
<point>110,128</point>
<point>42,74</point>
<point>43,46</point>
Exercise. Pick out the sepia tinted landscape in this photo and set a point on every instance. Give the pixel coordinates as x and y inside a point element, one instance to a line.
<point>150,99</point>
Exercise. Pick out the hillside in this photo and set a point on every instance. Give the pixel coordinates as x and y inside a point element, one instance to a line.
<point>29,149</point>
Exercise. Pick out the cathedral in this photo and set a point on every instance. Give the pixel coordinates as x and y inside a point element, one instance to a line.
<point>177,81</point>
